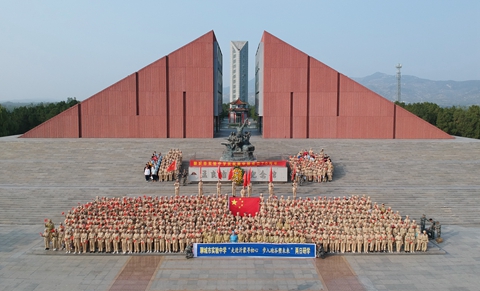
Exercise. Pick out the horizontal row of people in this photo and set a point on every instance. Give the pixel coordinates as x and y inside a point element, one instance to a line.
<point>168,224</point>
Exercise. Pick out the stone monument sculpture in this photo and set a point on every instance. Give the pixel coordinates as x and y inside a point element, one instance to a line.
<point>238,146</point>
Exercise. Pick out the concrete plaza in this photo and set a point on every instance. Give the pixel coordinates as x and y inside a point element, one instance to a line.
<point>41,178</point>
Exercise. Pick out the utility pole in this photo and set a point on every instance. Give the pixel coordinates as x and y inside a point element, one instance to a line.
<point>399,84</point>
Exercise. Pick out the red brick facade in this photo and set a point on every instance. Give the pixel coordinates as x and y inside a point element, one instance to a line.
<point>180,95</point>
<point>300,97</point>
<point>174,96</point>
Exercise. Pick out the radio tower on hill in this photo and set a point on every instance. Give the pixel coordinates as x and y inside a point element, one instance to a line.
<point>399,84</point>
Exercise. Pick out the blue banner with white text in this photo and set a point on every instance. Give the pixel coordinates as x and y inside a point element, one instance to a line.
<point>285,250</point>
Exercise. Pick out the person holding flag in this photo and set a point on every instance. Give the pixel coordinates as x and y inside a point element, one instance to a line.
<point>245,181</point>
<point>177,188</point>
<point>249,183</point>
<point>200,187</point>
<point>234,185</point>
<point>46,238</point>
<point>294,189</point>
<point>270,183</point>
<point>219,183</point>
<point>200,184</point>
<point>219,188</point>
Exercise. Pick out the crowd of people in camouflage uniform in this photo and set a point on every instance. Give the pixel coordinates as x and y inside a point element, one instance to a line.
<point>311,166</point>
<point>167,224</point>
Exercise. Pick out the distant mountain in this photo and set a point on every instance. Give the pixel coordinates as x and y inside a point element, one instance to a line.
<point>414,90</point>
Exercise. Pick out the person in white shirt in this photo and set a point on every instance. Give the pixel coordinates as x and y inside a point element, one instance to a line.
<point>147,172</point>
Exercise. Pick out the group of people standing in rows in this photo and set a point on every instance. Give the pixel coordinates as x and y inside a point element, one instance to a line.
<point>163,168</point>
<point>311,166</point>
<point>168,224</point>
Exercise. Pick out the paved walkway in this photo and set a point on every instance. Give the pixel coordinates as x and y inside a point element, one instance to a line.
<point>137,273</point>
<point>40,178</point>
<point>24,265</point>
<point>234,274</point>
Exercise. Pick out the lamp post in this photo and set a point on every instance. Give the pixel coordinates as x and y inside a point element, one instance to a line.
<point>438,230</point>
<point>422,222</point>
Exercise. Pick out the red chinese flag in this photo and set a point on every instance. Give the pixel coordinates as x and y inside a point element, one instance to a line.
<point>245,181</point>
<point>230,174</point>
<point>219,173</point>
<point>244,205</point>
<point>173,166</point>
<point>249,176</point>
<point>270,177</point>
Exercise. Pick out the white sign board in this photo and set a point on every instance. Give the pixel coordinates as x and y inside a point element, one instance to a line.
<point>259,174</point>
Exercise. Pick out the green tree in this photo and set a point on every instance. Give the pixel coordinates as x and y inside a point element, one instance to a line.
<point>454,120</point>
<point>224,113</point>
<point>4,121</point>
<point>22,119</point>
<point>427,111</point>
<point>467,121</point>
<point>445,120</point>
<point>474,114</point>
<point>252,112</point>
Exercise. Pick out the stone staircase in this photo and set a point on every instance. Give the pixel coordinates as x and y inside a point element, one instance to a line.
<point>42,178</point>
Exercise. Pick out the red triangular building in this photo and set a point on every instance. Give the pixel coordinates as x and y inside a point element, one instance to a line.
<point>180,96</point>
<point>177,96</point>
<point>298,96</point>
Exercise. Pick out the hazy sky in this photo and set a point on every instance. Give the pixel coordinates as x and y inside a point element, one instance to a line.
<point>51,50</point>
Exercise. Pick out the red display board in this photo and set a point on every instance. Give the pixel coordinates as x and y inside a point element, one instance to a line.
<point>210,163</point>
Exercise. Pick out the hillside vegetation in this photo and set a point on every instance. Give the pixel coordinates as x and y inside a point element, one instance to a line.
<point>21,119</point>
<point>459,121</point>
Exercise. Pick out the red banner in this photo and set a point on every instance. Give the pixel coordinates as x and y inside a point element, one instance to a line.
<point>244,205</point>
<point>206,163</point>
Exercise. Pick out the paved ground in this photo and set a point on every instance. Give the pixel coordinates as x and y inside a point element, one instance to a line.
<point>40,178</point>
<point>24,265</point>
